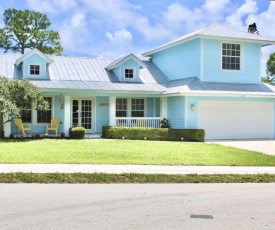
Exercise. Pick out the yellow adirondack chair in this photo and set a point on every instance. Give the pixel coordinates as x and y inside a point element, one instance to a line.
<point>53,126</point>
<point>21,127</point>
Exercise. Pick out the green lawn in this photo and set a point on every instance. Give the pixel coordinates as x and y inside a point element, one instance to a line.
<point>128,152</point>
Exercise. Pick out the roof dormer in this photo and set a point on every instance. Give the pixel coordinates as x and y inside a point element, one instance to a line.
<point>34,64</point>
<point>127,68</point>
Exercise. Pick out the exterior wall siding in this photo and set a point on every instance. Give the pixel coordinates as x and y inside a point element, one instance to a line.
<point>37,60</point>
<point>132,64</point>
<point>181,61</point>
<point>212,63</point>
<point>102,113</point>
<point>176,110</point>
<point>150,107</point>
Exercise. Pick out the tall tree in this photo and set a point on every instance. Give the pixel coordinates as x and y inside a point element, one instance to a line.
<point>14,94</point>
<point>270,66</point>
<point>27,30</point>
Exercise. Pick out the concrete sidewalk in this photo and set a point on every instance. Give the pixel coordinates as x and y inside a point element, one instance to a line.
<point>146,169</point>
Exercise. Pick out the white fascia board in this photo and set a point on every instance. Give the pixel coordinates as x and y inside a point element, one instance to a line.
<point>34,51</point>
<point>59,90</point>
<point>262,42</point>
<point>164,47</point>
<point>230,94</point>
<point>131,56</point>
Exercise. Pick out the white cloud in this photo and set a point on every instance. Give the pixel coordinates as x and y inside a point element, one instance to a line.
<point>235,19</point>
<point>215,6</point>
<point>119,36</point>
<point>78,20</point>
<point>51,6</point>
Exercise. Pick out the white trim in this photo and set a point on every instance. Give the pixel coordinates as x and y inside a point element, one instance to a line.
<point>178,42</point>
<point>202,61</point>
<point>163,107</point>
<point>134,74</point>
<point>80,98</point>
<point>125,59</point>
<point>6,127</point>
<point>34,75</point>
<point>185,114</point>
<point>52,113</point>
<point>34,51</point>
<point>241,56</point>
<point>67,115</point>
<point>112,111</point>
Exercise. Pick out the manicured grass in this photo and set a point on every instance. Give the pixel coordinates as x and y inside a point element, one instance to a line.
<point>96,178</point>
<point>128,152</point>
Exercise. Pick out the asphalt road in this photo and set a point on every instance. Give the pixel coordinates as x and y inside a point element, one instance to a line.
<point>137,206</point>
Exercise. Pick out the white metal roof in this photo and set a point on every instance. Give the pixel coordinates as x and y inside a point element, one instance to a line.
<point>214,31</point>
<point>120,61</point>
<point>193,85</point>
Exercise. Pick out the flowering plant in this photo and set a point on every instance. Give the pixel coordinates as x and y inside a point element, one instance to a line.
<point>164,123</point>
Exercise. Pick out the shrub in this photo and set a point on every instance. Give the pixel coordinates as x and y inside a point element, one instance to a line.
<point>37,136</point>
<point>77,132</point>
<point>62,135</point>
<point>161,134</point>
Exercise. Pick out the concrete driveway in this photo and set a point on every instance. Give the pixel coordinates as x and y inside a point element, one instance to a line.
<point>263,146</point>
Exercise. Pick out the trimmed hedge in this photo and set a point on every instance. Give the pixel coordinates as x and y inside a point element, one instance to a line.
<point>162,134</point>
<point>77,132</point>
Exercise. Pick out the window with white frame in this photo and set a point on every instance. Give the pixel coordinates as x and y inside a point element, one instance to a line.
<point>137,108</point>
<point>34,69</point>
<point>231,56</point>
<point>26,112</point>
<point>129,73</point>
<point>121,107</point>
<point>134,107</point>
<point>45,116</point>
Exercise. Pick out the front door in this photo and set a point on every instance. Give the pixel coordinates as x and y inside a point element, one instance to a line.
<point>82,114</point>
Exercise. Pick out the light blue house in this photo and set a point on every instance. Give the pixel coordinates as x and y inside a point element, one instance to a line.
<point>207,79</point>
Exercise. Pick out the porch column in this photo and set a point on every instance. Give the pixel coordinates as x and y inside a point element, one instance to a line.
<point>6,127</point>
<point>112,111</point>
<point>67,114</point>
<point>163,107</point>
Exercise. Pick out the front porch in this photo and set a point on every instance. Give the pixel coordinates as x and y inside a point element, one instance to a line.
<point>148,122</point>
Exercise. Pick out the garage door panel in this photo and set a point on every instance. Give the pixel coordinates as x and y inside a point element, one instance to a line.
<point>236,120</point>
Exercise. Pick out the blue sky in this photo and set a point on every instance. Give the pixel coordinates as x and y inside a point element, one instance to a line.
<point>113,28</point>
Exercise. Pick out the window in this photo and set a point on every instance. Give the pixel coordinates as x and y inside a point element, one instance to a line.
<point>129,73</point>
<point>121,107</point>
<point>45,116</point>
<point>130,107</point>
<point>231,56</point>
<point>137,108</point>
<point>26,113</point>
<point>34,69</point>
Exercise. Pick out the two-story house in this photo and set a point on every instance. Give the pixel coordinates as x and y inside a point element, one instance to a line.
<point>208,79</point>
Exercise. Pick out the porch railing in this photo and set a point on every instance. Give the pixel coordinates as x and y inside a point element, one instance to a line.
<point>149,122</point>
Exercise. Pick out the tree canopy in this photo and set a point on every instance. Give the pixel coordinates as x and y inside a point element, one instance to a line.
<point>270,65</point>
<point>27,30</point>
<point>15,94</point>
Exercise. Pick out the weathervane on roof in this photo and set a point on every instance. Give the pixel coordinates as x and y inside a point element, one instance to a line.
<point>252,29</point>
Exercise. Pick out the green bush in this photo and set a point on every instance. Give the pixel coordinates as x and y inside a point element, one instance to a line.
<point>162,134</point>
<point>77,132</point>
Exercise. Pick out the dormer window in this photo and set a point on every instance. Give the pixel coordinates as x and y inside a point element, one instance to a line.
<point>34,69</point>
<point>129,73</point>
<point>231,56</point>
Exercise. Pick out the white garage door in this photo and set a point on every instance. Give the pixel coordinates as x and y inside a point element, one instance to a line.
<point>236,120</point>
